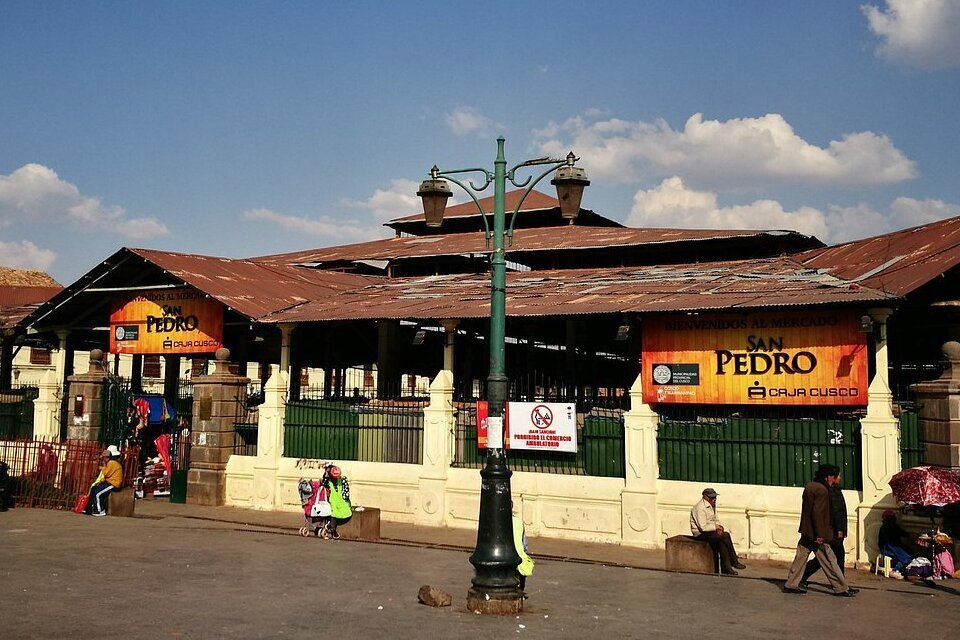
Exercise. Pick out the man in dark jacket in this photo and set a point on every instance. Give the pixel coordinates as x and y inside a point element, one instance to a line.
<point>838,507</point>
<point>816,533</point>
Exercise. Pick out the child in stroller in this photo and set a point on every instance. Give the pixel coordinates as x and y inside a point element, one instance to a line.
<point>315,499</point>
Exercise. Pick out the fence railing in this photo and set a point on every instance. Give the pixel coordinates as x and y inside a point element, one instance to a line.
<point>357,428</point>
<point>911,449</point>
<point>716,444</point>
<point>245,424</point>
<point>52,474</point>
<point>600,446</point>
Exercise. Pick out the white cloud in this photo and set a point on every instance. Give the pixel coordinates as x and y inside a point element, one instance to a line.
<point>919,33</point>
<point>466,120</point>
<point>35,193</point>
<point>25,255</point>
<point>672,204</point>
<point>731,154</point>
<point>324,226</point>
<point>399,199</point>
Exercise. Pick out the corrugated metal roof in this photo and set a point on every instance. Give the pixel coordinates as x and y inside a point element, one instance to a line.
<point>898,262</point>
<point>525,240</point>
<point>250,288</point>
<point>771,282</point>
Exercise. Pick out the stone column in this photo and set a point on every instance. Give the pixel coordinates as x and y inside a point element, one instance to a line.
<point>46,407</point>
<point>879,448</point>
<point>639,498</point>
<point>438,443</point>
<point>60,365</point>
<point>449,343</point>
<point>85,397</point>
<point>218,399</point>
<point>939,404</point>
<point>269,443</point>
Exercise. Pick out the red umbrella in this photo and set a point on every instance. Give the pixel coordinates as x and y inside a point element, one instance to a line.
<point>926,486</point>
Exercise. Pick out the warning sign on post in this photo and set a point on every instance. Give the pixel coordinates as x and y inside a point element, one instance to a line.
<point>542,426</point>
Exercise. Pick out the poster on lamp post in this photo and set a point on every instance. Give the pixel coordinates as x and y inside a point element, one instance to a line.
<point>165,321</point>
<point>533,426</point>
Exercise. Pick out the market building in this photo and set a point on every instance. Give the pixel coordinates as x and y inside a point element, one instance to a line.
<point>734,359</point>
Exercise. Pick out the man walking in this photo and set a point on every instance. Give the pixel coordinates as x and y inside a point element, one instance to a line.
<point>704,525</point>
<point>838,510</point>
<point>816,533</point>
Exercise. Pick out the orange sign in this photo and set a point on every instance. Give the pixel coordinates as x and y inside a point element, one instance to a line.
<point>773,357</point>
<point>166,321</point>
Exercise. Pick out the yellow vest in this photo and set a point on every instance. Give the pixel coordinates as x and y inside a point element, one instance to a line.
<point>525,568</point>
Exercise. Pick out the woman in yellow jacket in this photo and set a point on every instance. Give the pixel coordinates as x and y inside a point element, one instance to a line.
<point>110,479</point>
<point>525,568</point>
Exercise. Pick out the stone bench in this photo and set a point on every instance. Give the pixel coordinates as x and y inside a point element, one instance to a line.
<point>364,525</point>
<point>120,503</point>
<point>684,553</point>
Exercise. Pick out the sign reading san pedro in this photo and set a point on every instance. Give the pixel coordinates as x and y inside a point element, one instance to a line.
<point>774,357</point>
<point>165,321</point>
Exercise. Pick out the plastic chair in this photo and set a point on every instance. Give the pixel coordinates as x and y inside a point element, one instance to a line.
<point>884,565</point>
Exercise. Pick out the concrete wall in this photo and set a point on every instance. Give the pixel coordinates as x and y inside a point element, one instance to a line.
<point>638,510</point>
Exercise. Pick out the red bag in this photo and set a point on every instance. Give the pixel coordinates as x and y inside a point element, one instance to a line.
<point>81,504</point>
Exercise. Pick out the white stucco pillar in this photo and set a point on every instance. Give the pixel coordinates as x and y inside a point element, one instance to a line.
<point>639,497</point>
<point>46,408</point>
<point>438,443</point>
<point>286,340</point>
<point>879,447</point>
<point>60,365</point>
<point>269,443</point>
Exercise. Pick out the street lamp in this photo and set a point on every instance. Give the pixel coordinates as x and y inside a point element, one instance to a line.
<point>495,586</point>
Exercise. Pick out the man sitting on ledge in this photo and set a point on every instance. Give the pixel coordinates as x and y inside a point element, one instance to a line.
<point>704,525</point>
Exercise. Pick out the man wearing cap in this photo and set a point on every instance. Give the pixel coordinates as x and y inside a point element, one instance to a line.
<point>816,534</point>
<point>704,525</point>
<point>110,479</point>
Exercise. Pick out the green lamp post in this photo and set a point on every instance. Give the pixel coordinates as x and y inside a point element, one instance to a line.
<point>495,586</point>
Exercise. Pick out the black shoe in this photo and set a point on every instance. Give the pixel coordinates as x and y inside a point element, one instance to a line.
<point>798,592</point>
<point>730,572</point>
<point>853,590</point>
<point>739,565</point>
<point>804,584</point>
<point>849,593</point>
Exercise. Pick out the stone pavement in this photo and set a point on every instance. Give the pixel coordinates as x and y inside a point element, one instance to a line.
<point>541,548</point>
<point>185,572</point>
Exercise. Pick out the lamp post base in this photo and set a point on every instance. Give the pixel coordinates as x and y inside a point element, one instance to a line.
<point>499,604</point>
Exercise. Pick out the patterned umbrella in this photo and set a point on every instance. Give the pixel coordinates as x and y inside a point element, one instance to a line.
<point>926,486</point>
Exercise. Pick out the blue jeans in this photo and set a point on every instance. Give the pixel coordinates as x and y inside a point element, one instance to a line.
<point>901,557</point>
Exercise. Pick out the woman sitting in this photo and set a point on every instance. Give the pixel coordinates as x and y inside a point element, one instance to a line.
<point>891,542</point>
<point>110,479</point>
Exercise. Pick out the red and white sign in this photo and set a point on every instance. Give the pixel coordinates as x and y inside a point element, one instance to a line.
<point>533,426</point>
<point>542,426</point>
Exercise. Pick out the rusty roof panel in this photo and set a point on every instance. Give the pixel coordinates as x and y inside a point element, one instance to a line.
<point>771,282</point>
<point>898,262</point>
<point>525,240</point>
<point>250,288</point>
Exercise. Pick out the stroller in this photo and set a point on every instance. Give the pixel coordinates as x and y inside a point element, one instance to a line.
<point>315,500</point>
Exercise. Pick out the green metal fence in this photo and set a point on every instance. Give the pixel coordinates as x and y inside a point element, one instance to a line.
<point>115,395</point>
<point>16,412</point>
<point>245,426</point>
<point>714,445</point>
<point>911,449</point>
<point>600,446</point>
<point>358,428</point>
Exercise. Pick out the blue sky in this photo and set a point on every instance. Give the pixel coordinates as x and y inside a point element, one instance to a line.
<point>243,129</point>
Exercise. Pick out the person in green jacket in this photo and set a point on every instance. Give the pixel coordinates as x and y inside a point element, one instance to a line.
<point>340,509</point>
<point>525,568</point>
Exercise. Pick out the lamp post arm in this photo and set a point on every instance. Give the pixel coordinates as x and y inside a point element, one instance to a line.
<point>470,191</point>
<point>554,165</point>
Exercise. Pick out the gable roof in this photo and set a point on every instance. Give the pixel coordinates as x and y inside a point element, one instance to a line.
<point>21,290</point>
<point>898,263</point>
<point>744,284</point>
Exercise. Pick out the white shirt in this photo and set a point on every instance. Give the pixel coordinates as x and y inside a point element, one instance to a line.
<point>703,517</point>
